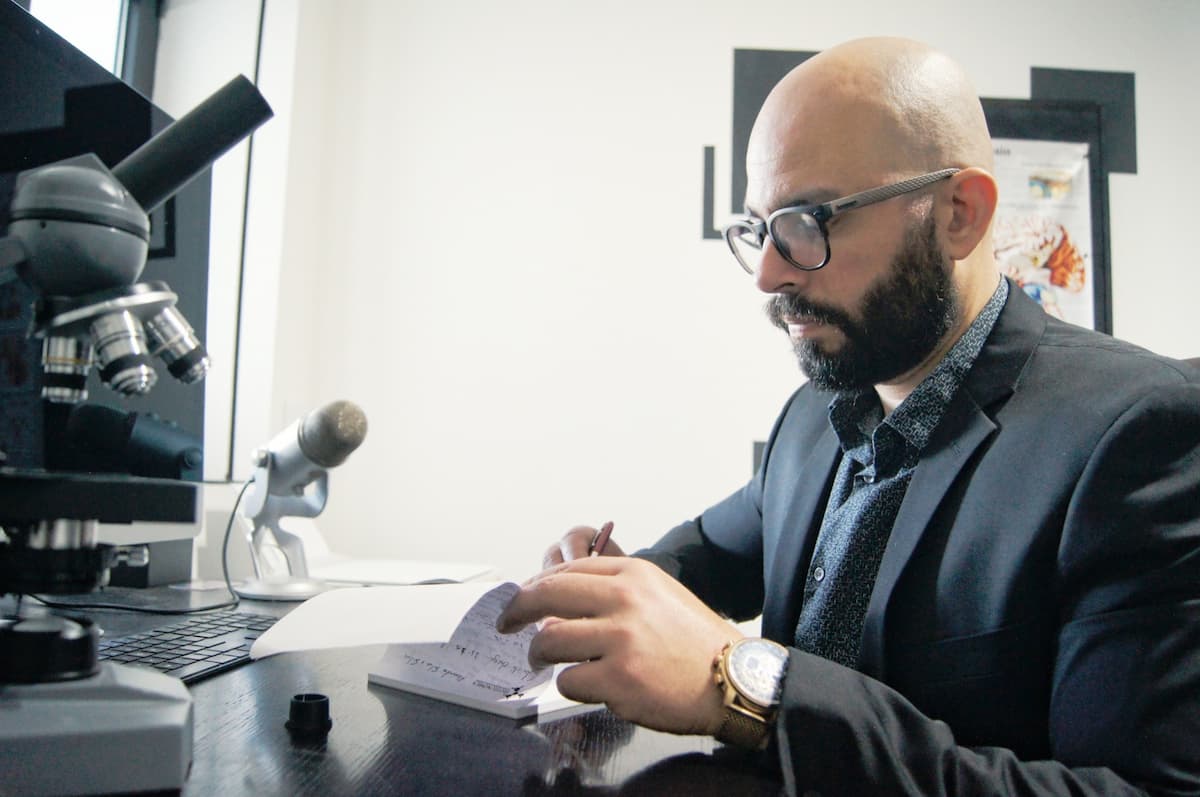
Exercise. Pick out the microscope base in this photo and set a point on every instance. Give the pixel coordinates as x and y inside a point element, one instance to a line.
<point>125,729</point>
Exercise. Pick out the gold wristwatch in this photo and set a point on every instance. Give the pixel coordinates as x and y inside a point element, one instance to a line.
<point>749,673</point>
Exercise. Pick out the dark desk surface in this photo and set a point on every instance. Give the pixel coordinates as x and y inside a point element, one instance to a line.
<point>384,741</point>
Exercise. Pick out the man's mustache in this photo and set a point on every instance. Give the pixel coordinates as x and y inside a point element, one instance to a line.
<point>782,305</point>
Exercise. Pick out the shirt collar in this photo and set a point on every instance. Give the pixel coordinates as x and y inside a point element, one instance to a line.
<point>856,416</point>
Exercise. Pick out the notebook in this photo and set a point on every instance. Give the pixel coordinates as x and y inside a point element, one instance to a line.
<point>442,643</point>
<point>478,667</point>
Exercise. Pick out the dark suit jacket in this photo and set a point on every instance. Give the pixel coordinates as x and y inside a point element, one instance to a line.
<point>1035,625</point>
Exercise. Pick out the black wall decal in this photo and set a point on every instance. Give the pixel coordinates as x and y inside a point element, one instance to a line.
<point>1112,91</point>
<point>755,73</point>
<point>707,228</point>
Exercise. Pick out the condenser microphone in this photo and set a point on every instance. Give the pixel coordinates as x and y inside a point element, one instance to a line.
<point>330,434</point>
<point>295,460</point>
<point>302,452</point>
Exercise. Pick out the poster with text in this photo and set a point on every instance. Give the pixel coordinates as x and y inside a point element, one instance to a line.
<point>1043,229</point>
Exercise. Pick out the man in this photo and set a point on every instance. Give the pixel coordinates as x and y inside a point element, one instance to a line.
<point>976,529</point>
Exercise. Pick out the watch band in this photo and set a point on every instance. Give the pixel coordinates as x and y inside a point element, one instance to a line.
<point>745,722</point>
<point>742,730</point>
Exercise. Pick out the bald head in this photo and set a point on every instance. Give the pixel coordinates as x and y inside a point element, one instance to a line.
<point>892,106</point>
<point>865,114</point>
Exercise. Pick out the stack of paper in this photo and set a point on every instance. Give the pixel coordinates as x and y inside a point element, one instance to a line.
<point>442,641</point>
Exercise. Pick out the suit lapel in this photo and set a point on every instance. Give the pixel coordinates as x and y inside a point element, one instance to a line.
<point>796,536</point>
<point>963,428</point>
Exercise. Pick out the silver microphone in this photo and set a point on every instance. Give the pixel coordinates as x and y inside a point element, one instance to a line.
<point>297,458</point>
<point>322,439</point>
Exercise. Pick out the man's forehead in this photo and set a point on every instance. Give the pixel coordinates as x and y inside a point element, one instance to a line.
<point>784,182</point>
<point>799,155</point>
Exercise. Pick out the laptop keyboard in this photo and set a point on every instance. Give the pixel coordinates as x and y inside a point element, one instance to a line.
<point>194,648</point>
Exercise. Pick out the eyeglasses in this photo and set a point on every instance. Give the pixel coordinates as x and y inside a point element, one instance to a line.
<point>799,232</point>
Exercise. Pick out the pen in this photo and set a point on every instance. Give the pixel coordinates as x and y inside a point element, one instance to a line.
<point>601,539</point>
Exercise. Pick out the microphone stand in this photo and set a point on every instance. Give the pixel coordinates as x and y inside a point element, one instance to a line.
<point>264,510</point>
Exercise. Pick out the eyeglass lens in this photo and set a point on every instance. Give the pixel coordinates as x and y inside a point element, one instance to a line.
<point>746,246</point>
<point>797,236</point>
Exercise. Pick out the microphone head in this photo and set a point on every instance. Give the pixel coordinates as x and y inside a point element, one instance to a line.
<point>328,435</point>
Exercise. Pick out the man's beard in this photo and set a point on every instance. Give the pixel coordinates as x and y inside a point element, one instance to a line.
<point>903,318</point>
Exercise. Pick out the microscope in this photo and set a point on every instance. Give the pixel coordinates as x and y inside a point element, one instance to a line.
<point>78,235</point>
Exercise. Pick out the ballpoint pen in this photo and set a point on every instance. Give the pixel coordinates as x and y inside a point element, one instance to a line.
<point>601,539</point>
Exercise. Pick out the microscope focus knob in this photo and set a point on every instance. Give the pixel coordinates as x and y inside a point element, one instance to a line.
<point>47,649</point>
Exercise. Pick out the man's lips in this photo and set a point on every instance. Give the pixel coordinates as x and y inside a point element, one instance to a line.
<point>799,326</point>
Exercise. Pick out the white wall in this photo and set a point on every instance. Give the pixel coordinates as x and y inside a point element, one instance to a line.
<point>490,240</point>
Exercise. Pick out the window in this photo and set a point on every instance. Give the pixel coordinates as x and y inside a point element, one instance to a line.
<point>93,26</point>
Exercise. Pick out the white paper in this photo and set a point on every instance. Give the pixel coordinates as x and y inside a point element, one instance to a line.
<point>478,662</point>
<point>479,667</point>
<point>442,643</point>
<point>345,570</point>
<point>542,699</point>
<point>371,616</point>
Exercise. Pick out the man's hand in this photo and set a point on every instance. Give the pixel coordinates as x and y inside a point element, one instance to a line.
<point>645,642</point>
<point>577,544</point>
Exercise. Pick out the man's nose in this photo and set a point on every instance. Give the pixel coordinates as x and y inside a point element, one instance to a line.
<point>774,273</point>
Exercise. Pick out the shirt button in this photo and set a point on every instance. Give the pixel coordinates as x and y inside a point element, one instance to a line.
<point>818,574</point>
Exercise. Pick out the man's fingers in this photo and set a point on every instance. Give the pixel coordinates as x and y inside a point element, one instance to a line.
<point>569,641</point>
<point>547,595</point>
<point>612,549</point>
<point>569,590</point>
<point>553,556</point>
<point>575,544</point>
<point>584,682</point>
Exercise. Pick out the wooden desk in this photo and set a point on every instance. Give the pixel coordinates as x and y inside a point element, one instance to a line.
<point>384,741</point>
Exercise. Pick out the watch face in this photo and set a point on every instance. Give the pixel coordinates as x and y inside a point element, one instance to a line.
<point>756,669</point>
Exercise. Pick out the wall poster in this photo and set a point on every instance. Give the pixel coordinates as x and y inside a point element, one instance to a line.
<point>1051,228</point>
<point>1043,228</point>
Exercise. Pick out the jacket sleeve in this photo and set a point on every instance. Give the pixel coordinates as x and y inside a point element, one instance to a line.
<point>723,569</point>
<point>1125,687</point>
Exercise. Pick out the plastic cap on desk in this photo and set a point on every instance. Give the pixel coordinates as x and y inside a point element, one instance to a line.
<point>309,716</point>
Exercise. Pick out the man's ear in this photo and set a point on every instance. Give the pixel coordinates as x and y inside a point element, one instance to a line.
<point>972,204</point>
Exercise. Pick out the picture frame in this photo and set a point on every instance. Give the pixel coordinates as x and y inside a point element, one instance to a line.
<point>1052,230</point>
